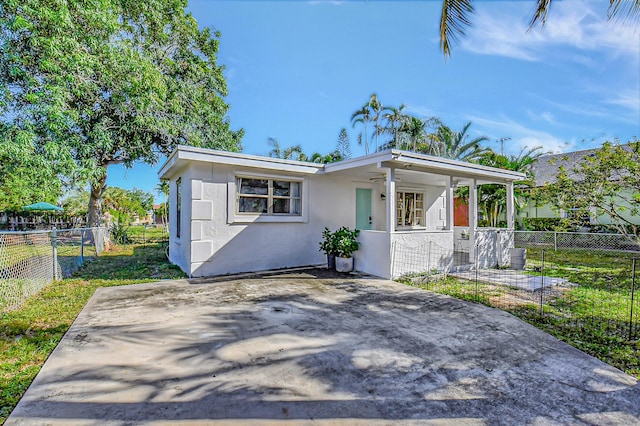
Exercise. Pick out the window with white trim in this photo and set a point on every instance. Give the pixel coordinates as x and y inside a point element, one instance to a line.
<point>267,196</point>
<point>410,209</point>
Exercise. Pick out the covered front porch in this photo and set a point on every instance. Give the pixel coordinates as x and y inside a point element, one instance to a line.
<point>404,207</point>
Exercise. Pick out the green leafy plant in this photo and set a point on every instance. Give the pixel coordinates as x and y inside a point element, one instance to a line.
<point>346,241</point>
<point>328,243</point>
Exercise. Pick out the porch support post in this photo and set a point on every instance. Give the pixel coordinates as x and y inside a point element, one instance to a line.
<point>510,206</point>
<point>449,206</point>
<point>473,219</point>
<point>391,200</point>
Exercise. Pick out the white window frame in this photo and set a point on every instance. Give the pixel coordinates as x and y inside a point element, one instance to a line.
<point>400,214</point>
<point>235,216</point>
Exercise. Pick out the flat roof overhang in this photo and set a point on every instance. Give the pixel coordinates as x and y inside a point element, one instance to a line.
<point>412,163</point>
<point>183,154</point>
<point>370,167</point>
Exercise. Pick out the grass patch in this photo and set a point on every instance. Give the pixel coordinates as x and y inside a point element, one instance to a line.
<point>591,314</point>
<point>146,235</point>
<point>28,335</point>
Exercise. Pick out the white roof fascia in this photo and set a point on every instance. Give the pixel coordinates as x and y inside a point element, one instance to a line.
<point>427,163</point>
<point>236,159</point>
<point>353,163</point>
<point>445,164</point>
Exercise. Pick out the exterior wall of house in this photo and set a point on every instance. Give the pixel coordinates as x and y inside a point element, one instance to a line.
<point>217,241</point>
<point>179,247</point>
<point>374,256</point>
<point>420,251</point>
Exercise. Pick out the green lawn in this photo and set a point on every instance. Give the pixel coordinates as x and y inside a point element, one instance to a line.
<point>145,235</point>
<point>593,316</point>
<point>28,335</point>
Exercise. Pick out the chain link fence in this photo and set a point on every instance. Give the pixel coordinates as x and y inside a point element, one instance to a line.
<point>30,260</point>
<point>580,287</point>
<point>577,241</point>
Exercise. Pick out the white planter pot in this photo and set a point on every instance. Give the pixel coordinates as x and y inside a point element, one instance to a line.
<point>344,264</point>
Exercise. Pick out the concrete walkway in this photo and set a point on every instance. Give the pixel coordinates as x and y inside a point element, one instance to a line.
<point>314,348</point>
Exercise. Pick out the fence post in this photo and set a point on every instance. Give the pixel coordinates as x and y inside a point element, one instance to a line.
<point>555,241</point>
<point>54,243</point>
<point>475,253</point>
<point>633,290</point>
<point>393,258</point>
<point>542,286</point>
<point>429,261</point>
<point>82,247</point>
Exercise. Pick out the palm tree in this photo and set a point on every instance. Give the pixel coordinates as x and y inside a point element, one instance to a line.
<point>363,115</point>
<point>396,118</point>
<point>416,135</point>
<point>163,188</point>
<point>422,135</point>
<point>376,108</point>
<point>294,153</point>
<point>492,197</point>
<point>276,152</point>
<point>370,112</point>
<point>456,146</point>
<point>456,17</point>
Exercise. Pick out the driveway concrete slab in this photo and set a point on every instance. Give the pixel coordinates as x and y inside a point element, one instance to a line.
<point>310,347</point>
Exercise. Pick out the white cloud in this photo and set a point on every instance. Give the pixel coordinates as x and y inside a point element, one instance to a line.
<point>501,29</point>
<point>521,136</point>
<point>420,111</point>
<point>544,116</point>
<point>629,99</point>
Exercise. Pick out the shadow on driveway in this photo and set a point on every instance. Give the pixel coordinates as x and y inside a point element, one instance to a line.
<point>312,346</point>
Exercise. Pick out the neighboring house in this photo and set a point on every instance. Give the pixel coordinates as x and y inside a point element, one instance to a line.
<point>545,170</point>
<point>233,212</point>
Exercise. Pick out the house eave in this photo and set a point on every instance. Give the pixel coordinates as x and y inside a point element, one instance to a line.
<point>188,153</point>
<point>427,163</point>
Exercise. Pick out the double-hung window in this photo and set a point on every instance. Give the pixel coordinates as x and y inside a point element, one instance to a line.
<point>410,209</point>
<point>267,196</point>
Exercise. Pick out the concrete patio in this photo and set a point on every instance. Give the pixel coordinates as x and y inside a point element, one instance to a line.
<point>312,347</point>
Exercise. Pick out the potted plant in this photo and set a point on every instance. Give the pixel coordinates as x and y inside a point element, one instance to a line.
<point>327,245</point>
<point>346,242</point>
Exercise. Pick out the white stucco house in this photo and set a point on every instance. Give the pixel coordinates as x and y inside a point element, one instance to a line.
<point>232,212</point>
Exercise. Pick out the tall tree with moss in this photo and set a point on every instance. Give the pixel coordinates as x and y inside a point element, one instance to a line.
<point>110,82</point>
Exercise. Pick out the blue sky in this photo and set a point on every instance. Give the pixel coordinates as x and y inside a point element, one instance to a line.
<point>297,70</point>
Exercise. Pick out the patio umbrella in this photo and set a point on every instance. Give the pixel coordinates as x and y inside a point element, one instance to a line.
<point>42,206</point>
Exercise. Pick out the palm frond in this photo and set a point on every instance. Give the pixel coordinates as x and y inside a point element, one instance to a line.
<point>540,14</point>
<point>453,21</point>
<point>628,8</point>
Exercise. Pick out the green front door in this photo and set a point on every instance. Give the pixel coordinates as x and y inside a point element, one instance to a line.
<point>363,208</point>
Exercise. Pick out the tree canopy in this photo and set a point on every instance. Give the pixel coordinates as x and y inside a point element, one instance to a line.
<point>607,181</point>
<point>109,81</point>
